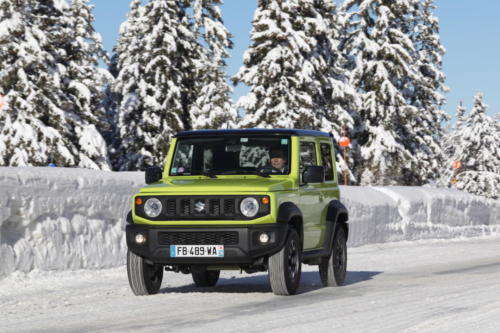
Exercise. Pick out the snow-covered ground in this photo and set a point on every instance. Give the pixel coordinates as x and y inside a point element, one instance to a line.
<point>421,286</point>
<point>65,218</point>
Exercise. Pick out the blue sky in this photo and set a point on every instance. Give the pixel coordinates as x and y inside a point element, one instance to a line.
<point>470,32</point>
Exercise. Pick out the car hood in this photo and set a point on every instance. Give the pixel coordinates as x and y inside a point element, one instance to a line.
<point>218,185</point>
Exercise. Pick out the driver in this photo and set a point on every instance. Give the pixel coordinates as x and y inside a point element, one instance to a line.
<point>278,160</point>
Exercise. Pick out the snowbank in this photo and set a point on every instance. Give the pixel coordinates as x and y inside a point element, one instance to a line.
<point>399,213</point>
<point>56,219</point>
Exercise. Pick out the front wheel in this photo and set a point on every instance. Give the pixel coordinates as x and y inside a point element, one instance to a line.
<point>285,266</point>
<point>332,269</point>
<point>144,279</point>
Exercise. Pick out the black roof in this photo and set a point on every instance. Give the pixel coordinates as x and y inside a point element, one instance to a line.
<point>252,131</point>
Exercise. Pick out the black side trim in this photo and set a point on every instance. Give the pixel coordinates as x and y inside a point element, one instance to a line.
<point>335,210</point>
<point>287,211</point>
<point>309,256</point>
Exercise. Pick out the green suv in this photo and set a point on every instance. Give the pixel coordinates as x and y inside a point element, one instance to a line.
<point>249,199</point>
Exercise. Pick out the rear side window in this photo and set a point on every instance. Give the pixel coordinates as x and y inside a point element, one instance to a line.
<point>326,159</point>
<point>307,155</point>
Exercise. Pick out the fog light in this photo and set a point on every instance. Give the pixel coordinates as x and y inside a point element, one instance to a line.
<point>140,239</point>
<point>264,238</point>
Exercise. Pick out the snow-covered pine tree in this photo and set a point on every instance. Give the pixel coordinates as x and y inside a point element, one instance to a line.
<point>158,64</point>
<point>460,114</point>
<point>341,101</point>
<point>29,120</point>
<point>35,126</point>
<point>450,145</point>
<point>213,108</point>
<point>289,66</point>
<point>121,100</point>
<point>383,51</point>
<point>477,147</point>
<point>77,50</point>
<point>424,92</point>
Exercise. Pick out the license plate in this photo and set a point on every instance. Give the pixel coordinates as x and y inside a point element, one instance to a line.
<point>196,250</point>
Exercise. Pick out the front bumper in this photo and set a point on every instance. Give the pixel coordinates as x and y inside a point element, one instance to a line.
<point>245,250</point>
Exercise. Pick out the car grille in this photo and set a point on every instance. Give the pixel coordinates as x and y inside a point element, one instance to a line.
<point>198,238</point>
<point>200,208</point>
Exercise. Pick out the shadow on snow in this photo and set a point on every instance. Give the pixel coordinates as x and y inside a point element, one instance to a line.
<point>309,281</point>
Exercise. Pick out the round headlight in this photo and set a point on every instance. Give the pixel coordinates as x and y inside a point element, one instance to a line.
<point>152,207</point>
<point>249,207</point>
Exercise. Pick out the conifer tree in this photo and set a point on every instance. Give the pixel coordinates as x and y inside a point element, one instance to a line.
<point>450,140</point>
<point>477,148</point>
<point>122,101</point>
<point>291,67</point>
<point>27,121</point>
<point>40,123</point>
<point>158,65</point>
<point>386,130</point>
<point>425,93</point>
<point>213,108</point>
<point>83,83</point>
<point>450,145</point>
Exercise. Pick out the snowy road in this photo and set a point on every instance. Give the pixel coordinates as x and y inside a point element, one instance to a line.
<point>414,287</point>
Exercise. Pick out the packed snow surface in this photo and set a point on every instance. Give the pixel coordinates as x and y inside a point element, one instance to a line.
<point>59,219</point>
<point>421,286</point>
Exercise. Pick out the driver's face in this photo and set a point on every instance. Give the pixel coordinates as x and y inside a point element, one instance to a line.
<point>278,162</point>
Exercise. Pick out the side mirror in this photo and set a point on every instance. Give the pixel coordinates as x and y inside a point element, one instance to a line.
<point>153,174</point>
<point>313,174</point>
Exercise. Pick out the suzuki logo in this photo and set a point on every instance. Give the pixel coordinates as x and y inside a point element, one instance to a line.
<point>199,206</point>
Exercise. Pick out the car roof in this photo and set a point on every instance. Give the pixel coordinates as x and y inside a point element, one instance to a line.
<point>252,131</point>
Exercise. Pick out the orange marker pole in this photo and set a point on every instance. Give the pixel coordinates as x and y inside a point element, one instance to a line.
<point>344,142</point>
<point>345,169</point>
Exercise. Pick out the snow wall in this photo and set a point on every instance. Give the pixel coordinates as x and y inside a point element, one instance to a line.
<point>57,218</point>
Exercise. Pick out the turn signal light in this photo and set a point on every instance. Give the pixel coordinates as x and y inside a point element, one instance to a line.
<point>264,200</point>
<point>138,201</point>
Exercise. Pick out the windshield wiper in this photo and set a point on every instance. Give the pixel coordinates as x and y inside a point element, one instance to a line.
<point>244,172</point>
<point>209,173</point>
<point>263,174</point>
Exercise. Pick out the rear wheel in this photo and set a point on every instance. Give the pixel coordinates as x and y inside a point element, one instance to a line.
<point>144,279</point>
<point>204,278</point>
<point>332,269</point>
<point>285,266</point>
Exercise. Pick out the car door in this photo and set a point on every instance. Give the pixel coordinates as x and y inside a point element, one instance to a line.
<point>310,203</point>
<point>329,188</point>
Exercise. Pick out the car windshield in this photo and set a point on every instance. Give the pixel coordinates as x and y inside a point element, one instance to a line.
<point>212,156</point>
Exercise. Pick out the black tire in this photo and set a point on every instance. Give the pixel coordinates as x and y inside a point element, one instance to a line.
<point>144,279</point>
<point>333,268</point>
<point>285,266</point>
<point>204,278</point>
